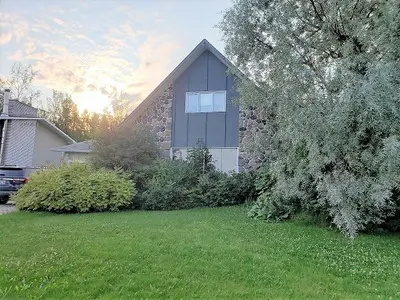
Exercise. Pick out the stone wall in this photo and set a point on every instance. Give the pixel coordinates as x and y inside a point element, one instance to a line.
<point>250,123</point>
<point>159,117</point>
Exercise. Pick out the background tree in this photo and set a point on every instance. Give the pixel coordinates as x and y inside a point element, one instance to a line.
<point>20,82</point>
<point>64,113</point>
<point>61,109</point>
<point>121,104</point>
<point>327,85</point>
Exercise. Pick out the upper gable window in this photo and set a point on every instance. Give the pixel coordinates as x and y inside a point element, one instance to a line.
<point>198,102</point>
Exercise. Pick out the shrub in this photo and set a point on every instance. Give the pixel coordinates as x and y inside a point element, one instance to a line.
<point>200,159</point>
<point>220,189</point>
<point>126,148</point>
<point>170,186</point>
<point>178,184</point>
<point>76,188</point>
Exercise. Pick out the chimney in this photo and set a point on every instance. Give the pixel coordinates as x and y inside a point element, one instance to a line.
<point>6,102</point>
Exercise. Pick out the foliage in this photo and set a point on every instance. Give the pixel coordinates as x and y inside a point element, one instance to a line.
<point>170,186</point>
<point>64,113</point>
<point>125,147</point>
<point>326,84</point>
<point>270,205</point>
<point>200,159</point>
<point>76,188</point>
<point>204,253</point>
<point>221,189</point>
<point>179,184</point>
<point>20,83</point>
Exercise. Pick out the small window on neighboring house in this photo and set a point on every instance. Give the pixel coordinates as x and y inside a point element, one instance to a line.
<point>197,102</point>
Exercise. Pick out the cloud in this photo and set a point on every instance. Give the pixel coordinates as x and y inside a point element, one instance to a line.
<point>17,56</point>
<point>12,27</point>
<point>39,26</point>
<point>29,47</point>
<point>93,57</point>
<point>5,38</point>
<point>58,21</point>
<point>155,59</point>
<point>128,31</point>
<point>85,38</point>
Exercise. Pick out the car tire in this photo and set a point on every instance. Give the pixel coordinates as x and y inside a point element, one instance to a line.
<point>4,199</point>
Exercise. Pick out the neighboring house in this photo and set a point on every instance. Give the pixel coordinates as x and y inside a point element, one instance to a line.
<point>79,152</point>
<point>26,139</point>
<point>196,103</point>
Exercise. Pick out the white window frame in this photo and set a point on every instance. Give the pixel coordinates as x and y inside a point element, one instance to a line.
<point>199,93</point>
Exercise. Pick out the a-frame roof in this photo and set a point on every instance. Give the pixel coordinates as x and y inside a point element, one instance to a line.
<point>203,46</point>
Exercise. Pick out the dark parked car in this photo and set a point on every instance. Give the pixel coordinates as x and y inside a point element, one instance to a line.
<point>12,178</point>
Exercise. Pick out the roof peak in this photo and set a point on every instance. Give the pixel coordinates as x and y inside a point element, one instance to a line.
<point>179,69</point>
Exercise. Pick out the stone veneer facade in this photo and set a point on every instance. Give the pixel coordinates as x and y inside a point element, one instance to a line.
<point>159,117</point>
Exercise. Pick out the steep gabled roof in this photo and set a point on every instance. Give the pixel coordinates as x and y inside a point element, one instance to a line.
<point>204,45</point>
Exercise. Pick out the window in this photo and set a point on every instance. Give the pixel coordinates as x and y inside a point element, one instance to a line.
<point>197,102</point>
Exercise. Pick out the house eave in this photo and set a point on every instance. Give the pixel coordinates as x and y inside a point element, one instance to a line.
<point>44,122</point>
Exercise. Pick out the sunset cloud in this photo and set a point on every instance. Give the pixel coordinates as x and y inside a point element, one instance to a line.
<point>91,49</point>
<point>17,56</point>
<point>58,21</point>
<point>12,27</point>
<point>5,38</point>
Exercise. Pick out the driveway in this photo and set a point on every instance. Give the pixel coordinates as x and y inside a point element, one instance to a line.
<point>7,208</point>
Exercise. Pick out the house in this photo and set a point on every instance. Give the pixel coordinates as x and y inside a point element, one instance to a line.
<point>26,139</point>
<point>196,102</point>
<point>79,152</point>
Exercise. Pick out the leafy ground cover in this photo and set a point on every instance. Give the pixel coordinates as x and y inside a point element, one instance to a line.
<point>189,254</point>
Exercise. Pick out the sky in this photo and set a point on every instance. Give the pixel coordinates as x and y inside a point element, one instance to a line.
<point>90,48</point>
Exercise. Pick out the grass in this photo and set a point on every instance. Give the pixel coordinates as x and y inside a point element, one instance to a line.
<point>195,254</point>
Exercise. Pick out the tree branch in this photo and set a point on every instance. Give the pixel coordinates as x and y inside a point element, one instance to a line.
<point>354,9</point>
<point>270,48</point>
<point>316,10</point>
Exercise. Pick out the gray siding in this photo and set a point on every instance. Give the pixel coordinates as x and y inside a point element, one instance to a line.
<point>19,142</point>
<point>218,129</point>
<point>45,140</point>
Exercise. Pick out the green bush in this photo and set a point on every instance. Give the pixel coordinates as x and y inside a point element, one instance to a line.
<point>169,187</point>
<point>220,189</point>
<point>200,159</point>
<point>270,205</point>
<point>178,184</point>
<point>76,188</point>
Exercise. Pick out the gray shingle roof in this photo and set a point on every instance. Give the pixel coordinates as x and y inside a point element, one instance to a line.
<point>82,147</point>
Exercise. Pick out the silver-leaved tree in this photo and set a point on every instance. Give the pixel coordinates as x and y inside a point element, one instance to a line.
<point>327,77</point>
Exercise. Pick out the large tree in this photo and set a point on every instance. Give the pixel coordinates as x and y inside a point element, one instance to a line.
<point>327,83</point>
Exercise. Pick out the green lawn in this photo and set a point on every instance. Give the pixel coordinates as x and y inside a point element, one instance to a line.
<point>202,254</point>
